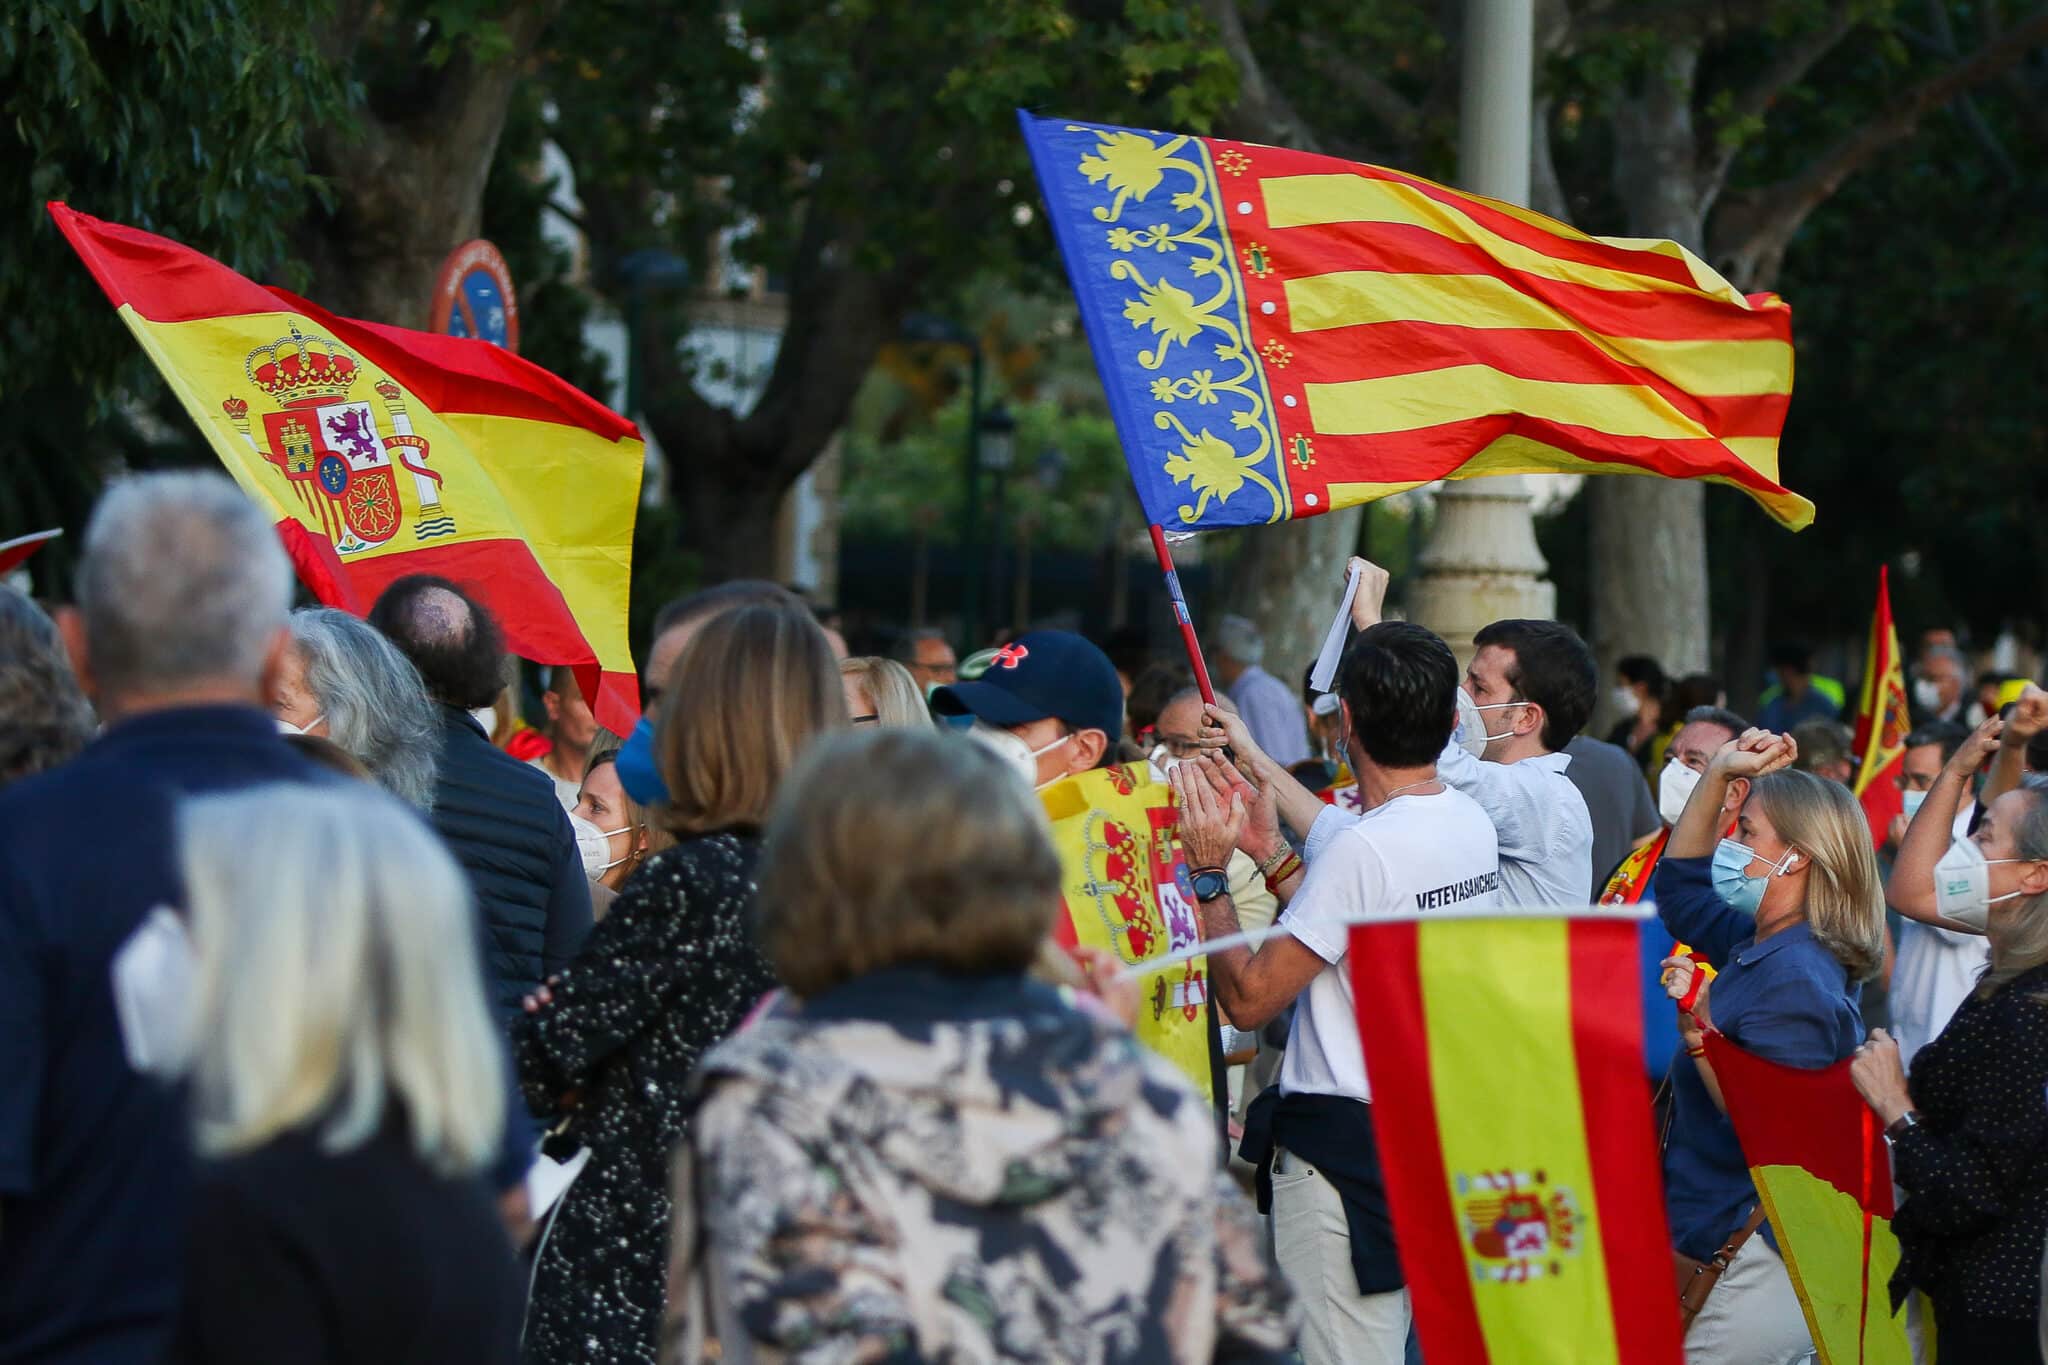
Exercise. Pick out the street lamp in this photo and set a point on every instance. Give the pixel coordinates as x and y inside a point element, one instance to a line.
<point>930,329</point>
<point>643,270</point>
<point>1047,472</point>
<point>995,450</point>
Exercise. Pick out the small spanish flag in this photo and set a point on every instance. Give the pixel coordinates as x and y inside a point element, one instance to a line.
<point>1124,886</point>
<point>1819,1161</point>
<point>1506,1052</point>
<point>1882,720</point>
<point>385,452</point>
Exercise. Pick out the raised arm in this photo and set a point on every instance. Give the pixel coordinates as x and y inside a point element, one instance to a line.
<point>1683,889</point>
<point>2029,717</point>
<point>1911,890</point>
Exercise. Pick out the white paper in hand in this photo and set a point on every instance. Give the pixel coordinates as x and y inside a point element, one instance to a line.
<point>1325,675</point>
<point>153,977</point>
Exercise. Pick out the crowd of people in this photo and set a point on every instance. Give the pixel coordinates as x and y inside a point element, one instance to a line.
<point>347,1016</point>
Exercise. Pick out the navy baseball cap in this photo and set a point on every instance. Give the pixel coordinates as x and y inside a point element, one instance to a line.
<point>1042,673</point>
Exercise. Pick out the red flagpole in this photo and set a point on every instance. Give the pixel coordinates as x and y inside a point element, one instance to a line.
<point>1180,612</point>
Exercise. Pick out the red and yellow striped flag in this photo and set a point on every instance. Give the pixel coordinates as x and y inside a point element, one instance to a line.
<point>384,452</point>
<point>1821,1167</point>
<point>1281,334</point>
<point>1882,720</point>
<point>1506,1054</point>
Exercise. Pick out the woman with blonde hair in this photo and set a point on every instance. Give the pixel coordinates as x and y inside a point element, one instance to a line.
<point>347,1090</point>
<point>930,1156</point>
<point>671,970</point>
<point>881,692</point>
<point>1790,912</point>
<point>615,834</point>
<point>1969,1130</point>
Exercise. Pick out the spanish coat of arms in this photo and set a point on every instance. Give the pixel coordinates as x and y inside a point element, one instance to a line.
<point>330,447</point>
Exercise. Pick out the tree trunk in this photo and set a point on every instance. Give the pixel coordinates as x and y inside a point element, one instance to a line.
<point>1288,579</point>
<point>1649,535</point>
<point>409,176</point>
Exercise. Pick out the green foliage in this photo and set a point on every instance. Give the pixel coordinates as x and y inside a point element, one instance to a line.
<point>185,117</point>
<point>1916,424</point>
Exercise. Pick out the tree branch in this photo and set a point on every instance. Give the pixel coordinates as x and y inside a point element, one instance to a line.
<point>1753,230</point>
<point>1262,114</point>
<point>1781,75</point>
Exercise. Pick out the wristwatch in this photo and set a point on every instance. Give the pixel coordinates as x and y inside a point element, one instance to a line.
<point>1210,882</point>
<point>1896,1129</point>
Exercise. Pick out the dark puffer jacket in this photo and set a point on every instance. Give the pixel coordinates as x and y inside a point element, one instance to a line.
<point>502,822</point>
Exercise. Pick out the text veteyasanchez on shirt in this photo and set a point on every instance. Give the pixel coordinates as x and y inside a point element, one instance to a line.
<point>1456,891</point>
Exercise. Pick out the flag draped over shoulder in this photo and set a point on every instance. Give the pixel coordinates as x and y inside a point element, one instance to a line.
<point>384,452</point>
<point>1882,720</point>
<point>1519,1160</point>
<point>1281,334</point>
<point>1125,886</point>
<point>1821,1167</point>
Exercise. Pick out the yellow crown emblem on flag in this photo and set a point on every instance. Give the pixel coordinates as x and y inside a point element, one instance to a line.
<point>299,368</point>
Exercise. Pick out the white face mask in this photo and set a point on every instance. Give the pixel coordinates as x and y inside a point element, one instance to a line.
<point>1624,699</point>
<point>285,727</point>
<point>1912,802</point>
<point>486,716</point>
<point>1014,751</point>
<point>1962,885</point>
<point>1927,694</point>
<point>1472,735</point>
<point>1674,788</point>
<point>594,844</point>
<point>1470,732</point>
<point>1163,762</point>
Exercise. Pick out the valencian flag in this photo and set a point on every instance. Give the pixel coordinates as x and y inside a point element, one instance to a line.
<point>1818,1157</point>
<point>384,452</point>
<point>1281,333</point>
<point>1124,885</point>
<point>1519,1160</point>
<point>1882,721</point>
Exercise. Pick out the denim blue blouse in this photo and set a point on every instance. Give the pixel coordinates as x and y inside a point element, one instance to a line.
<point>1787,999</point>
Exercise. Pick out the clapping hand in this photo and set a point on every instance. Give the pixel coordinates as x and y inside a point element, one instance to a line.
<point>1210,821</point>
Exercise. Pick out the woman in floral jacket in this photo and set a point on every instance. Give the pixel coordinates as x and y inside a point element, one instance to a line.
<point>670,970</point>
<point>925,1155</point>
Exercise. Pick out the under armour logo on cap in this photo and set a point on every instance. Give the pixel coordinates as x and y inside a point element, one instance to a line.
<point>1009,656</point>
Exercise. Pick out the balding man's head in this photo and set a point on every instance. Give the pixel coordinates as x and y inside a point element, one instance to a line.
<point>450,638</point>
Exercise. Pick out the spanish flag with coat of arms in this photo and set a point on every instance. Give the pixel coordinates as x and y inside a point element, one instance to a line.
<point>384,451</point>
<point>1513,1118</point>
<point>1124,886</point>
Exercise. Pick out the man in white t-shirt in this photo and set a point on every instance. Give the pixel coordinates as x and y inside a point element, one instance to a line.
<point>1529,689</point>
<point>1935,969</point>
<point>1419,847</point>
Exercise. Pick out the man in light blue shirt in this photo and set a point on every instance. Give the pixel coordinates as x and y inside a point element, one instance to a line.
<point>1270,709</point>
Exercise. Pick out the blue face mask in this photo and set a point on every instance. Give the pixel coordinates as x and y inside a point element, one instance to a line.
<point>639,773</point>
<point>1732,882</point>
